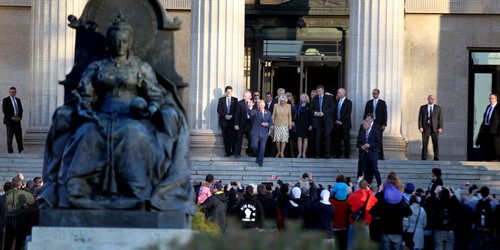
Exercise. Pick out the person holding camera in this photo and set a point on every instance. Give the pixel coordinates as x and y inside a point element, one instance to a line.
<point>362,200</point>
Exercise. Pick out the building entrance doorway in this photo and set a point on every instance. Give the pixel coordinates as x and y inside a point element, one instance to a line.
<point>484,79</point>
<point>300,77</point>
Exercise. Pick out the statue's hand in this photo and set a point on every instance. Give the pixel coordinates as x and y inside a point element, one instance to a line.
<point>152,109</point>
<point>87,114</point>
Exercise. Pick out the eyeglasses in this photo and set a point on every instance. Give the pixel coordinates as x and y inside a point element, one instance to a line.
<point>256,95</point>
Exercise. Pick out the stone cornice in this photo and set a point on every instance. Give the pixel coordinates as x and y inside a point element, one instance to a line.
<point>452,6</point>
<point>22,3</point>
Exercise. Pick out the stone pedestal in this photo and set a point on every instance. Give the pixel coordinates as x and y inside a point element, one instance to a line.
<point>217,56</point>
<point>53,57</point>
<point>113,218</point>
<point>376,46</point>
<point>49,238</point>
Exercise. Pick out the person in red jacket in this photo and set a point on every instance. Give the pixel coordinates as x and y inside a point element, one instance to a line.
<point>340,221</point>
<point>356,201</point>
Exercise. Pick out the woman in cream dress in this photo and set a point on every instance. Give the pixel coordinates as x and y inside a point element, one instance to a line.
<point>282,119</point>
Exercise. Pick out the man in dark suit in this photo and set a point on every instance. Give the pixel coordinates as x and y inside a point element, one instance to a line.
<point>376,127</point>
<point>322,109</point>
<point>489,133</point>
<point>342,124</point>
<point>269,100</point>
<point>261,122</point>
<point>430,123</point>
<point>280,91</point>
<point>13,113</point>
<point>225,108</point>
<point>378,109</point>
<point>243,123</point>
<point>368,143</point>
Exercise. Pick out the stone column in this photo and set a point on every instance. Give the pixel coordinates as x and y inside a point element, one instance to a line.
<point>217,56</point>
<point>53,55</point>
<point>376,57</point>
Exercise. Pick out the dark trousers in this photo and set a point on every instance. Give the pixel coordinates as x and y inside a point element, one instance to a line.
<point>259,147</point>
<point>311,148</point>
<point>341,236</point>
<point>492,145</point>
<point>270,147</point>
<point>245,130</point>
<point>16,229</point>
<point>342,134</point>
<point>14,129</point>
<point>428,132</point>
<point>381,148</point>
<point>360,163</point>
<point>370,167</point>
<point>323,134</point>
<point>228,136</point>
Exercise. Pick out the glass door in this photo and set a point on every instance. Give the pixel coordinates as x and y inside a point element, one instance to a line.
<point>484,73</point>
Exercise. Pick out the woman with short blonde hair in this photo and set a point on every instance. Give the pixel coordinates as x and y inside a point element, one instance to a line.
<point>303,120</point>
<point>282,120</point>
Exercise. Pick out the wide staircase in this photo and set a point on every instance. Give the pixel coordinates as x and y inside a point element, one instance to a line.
<point>245,170</point>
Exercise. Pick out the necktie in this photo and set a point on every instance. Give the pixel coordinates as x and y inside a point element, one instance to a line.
<point>228,100</point>
<point>429,115</point>
<point>339,107</point>
<point>246,109</point>
<point>15,106</point>
<point>488,115</point>
<point>374,108</point>
<point>367,135</point>
<point>321,104</point>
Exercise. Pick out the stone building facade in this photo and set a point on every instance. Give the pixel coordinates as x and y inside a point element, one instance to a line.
<point>408,49</point>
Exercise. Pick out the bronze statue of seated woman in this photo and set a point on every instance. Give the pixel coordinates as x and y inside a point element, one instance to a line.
<point>124,144</point>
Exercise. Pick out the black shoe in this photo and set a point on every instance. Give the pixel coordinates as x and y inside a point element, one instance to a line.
<point>327,156</point>
<point>227,155</point>
<point>260,164</point>
<point>347,157</point>
<point>237,156</point>
<point>423,158</point>
<point>317,157</point>
<point>436,158</point>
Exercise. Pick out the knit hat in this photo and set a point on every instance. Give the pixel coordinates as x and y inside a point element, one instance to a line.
<point>218,185</point>
<point>296,193</point>
<point>392,195</point>
<point>325,197</point>
<point>409,188</point>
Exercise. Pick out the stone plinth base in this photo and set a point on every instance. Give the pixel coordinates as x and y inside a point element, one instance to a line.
<point>51,238</point>
<point>114,218</point>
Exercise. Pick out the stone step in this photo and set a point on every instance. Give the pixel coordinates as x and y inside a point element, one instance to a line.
<point>245,170</point>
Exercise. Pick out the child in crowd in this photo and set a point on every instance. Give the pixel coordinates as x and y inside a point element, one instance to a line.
<point>340,190</point>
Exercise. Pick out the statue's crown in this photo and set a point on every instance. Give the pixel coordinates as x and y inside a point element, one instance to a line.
<point>119,19</point>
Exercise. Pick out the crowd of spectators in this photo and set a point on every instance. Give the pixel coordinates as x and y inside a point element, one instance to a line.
<point>18,211</point>
<point>395,215</point>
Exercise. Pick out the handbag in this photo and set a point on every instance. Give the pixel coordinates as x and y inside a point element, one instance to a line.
<point>359,215</point>
<point>271,132</point>
<point>407,236</point>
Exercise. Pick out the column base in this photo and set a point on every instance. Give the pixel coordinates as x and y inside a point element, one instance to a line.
<point>395,147</point>
<point>34,140</point>
<point>209,143</point>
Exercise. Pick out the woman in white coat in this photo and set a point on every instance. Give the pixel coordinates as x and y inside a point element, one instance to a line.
<point>413,225</point>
